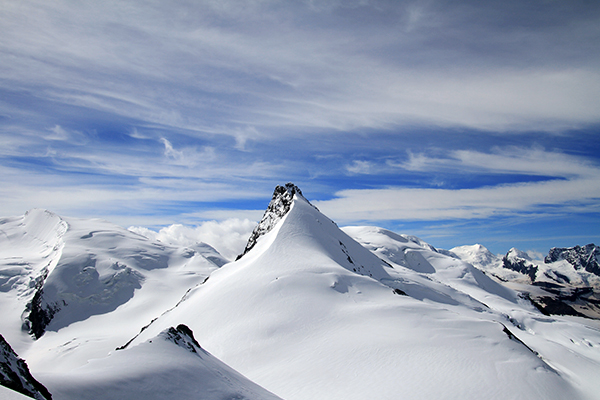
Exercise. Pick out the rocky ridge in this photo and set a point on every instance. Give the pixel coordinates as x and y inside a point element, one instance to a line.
<point>566,282</point>
<point>15,375</point>
<point>580,257</point>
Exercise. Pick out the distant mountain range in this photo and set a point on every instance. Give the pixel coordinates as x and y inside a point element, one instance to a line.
<point>307,311</point>
<point>566,282</point>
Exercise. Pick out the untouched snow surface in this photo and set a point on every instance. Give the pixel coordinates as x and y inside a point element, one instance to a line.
<point>169,366</point>
<point>310,312</point>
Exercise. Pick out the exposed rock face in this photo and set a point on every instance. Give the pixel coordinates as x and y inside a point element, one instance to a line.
<point>38,314</point>
<point>520,262</point>
<point>586,257</point>
<point>14,374</point>
<point>76,285</point>
<point>279,206</point>
<point>183,337</point>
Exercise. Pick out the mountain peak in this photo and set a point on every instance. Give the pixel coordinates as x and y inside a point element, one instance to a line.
<point>280,204</point>
<point>520,261</point>
<point>580,257</point>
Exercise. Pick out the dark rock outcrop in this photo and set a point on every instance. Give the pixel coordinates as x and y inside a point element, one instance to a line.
<point>518,261</point>
<point>183,337</point>
<point>38,313</point>
<point>15,375</point>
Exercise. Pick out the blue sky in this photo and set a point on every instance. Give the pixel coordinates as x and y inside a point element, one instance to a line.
<point>459,122</point>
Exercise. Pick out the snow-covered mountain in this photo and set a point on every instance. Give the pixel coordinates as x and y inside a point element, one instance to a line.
<point>172,365</point>
<point>74,290</point>
<point>309,311</point>
<point>63,271</point>
<point>566,282</point>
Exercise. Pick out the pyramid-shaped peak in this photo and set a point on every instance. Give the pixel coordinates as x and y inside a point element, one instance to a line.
<point>281,202</point>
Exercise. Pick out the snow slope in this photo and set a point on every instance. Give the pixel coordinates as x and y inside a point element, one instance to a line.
<point>171,365</point>
<point>309,313</point>
<point>72,283</point>
<point>566,282</point>
<point>569,345</point>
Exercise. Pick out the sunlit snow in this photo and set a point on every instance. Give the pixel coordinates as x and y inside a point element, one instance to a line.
<point>310,312</point>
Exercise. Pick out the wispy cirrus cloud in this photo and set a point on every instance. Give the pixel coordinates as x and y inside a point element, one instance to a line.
<point>158,111</point>
<point>320,65</point>
<point>560,197</point>
<point>502,160</point>
<point>570,186</point>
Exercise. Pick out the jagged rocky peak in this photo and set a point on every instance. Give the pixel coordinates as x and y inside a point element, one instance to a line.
<point>15,375</point>
<point>280,204</point>
<point>520,261</point>
<point>183,337</point>
<point>580,257</point>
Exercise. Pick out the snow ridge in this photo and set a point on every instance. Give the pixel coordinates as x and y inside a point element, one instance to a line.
<point>280,204</point>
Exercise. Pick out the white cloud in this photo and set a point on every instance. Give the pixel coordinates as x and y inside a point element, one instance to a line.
<point>271,65</point>
<point>233,75</point>
<point>555,196</point>
<point>359,167</point>
<point>188,157</point>
<point>502,160</point>
<point>228,237</point>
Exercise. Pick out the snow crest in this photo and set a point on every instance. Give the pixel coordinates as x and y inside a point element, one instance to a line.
<point>280,204</point>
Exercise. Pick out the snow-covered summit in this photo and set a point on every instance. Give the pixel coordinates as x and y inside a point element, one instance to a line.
<point>280,204</point>
<point>476,254</point>
<point>311,313</point>
<point>520,261</point>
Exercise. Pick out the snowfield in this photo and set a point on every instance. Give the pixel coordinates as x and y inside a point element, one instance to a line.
<point>308,312</point>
